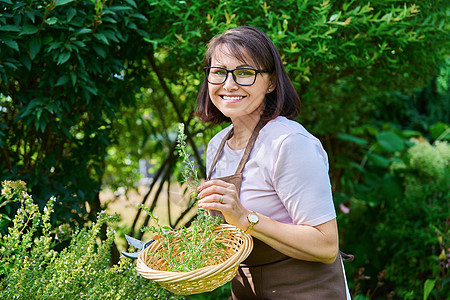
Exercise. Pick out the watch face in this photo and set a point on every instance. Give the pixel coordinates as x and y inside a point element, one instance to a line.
<point>253,218</point>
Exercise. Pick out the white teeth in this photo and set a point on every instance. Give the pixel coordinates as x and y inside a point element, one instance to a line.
<point>232,98</point>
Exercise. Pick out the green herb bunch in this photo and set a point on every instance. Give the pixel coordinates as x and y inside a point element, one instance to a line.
<point>187,250</point>
<point>30,268</point>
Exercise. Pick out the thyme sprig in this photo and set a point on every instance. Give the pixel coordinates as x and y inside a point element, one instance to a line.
<point>187,250</point>
<point>190,173</point>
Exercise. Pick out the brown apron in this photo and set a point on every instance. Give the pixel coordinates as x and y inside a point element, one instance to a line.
<point>268,273</point>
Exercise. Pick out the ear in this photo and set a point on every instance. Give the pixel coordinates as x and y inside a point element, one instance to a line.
<point>272,84</point>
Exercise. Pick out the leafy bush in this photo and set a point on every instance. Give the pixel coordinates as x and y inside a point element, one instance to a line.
<point>399,199</point>
<point>66,67</point>
<point>31,269</point>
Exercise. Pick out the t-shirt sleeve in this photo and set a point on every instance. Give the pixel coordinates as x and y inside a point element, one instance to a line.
<point>300,178</point>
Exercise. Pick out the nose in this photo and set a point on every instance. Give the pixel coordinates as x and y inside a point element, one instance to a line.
<point>230,84</point>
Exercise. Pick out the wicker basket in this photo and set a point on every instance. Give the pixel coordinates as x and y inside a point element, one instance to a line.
<point>238,246</point>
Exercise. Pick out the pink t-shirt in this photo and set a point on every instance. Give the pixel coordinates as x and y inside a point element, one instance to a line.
<point>286,176</point>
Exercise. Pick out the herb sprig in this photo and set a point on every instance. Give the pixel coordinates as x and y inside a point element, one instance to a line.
<point>190,173</point>
<point>187,250</point>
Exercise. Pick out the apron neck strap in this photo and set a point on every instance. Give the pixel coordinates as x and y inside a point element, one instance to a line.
<point>248,148</point>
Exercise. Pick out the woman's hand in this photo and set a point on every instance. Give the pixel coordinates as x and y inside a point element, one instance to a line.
<point>219,195</point>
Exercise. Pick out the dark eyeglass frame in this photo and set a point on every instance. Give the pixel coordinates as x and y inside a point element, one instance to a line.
<point>207,69</point>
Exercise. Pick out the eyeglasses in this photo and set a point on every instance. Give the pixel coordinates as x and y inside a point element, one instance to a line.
<point>242,76</point>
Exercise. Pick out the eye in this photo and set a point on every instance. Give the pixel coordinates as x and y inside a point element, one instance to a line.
<point>219,72</point>
<point>244,72</point>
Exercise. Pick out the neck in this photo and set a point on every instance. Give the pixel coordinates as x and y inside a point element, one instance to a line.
<point>242,131</point>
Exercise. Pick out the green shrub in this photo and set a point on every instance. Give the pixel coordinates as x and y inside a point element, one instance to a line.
<point>66,68</point>
<point>400,201</point>
<point>31,269</point>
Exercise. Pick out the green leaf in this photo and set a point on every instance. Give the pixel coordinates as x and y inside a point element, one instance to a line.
<point>428,287</point>
<point>83,31</point>
<point>378,160</point>
<point>100,51</point>
<point>63,57</point>
<point>78,44</point>
<point>4,219</point>
<point>62,2</point>
<point>31,15</point>
<point>10,65</point>
<point>11,44</point>
<point>26,61</point>
<point>73,77</point>
<point>411,133</point>
<point>10,28</point>
<point>101,37</point>
<point>71,12</point>
<point>6,2</point>
<point>29,29</point>
<point>439,131</point>
<point>132,3</point>
<point>353,139</point>
<point>35,47</point>
<point>91,90</point>
<point>109,20</point>
<point>119,8</point>
<point>139,16</point>
<point>62,80</point>
<point>42,124</point>
<point>51,21</point>
<point>110,35</point>
<point>390,141</point>
<point>54,45</point>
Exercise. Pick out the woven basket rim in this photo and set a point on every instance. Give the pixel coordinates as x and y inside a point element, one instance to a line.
<point>173,276</point>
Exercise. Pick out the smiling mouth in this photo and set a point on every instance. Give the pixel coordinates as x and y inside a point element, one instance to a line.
<point>232,98</point>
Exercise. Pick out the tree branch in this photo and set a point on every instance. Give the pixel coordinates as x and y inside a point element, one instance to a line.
<point>167,91</point>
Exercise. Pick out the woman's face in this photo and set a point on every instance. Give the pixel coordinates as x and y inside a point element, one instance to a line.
<point>233,100</point>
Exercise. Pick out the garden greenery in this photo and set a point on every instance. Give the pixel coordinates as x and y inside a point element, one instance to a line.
<point>31,269</point>
<point>66,68</point>
<point>399,197</point>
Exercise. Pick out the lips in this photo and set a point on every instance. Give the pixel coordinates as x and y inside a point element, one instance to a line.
<point>232,99</point>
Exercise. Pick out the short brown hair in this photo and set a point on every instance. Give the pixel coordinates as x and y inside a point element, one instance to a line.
<point>244,42</point>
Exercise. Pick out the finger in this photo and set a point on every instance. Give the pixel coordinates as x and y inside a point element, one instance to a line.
<point>214,198</point>
<point>215,205</point>
<point>214,189</point>
<point>212,182</point>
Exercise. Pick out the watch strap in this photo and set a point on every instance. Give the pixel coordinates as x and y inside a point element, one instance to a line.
<point>249,228</point>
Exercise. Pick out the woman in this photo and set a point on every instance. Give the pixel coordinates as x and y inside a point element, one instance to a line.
<point>267,175</point>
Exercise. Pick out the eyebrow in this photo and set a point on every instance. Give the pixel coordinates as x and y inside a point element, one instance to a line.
<point>240,66</point>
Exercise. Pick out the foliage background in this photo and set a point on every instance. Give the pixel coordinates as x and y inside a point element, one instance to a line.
<point>89,87</point>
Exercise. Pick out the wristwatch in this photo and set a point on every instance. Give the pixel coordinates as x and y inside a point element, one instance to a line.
<point>253,219</point>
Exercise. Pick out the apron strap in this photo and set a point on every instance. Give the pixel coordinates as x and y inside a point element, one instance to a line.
<point>248,149</point>
<point>219,150</point>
